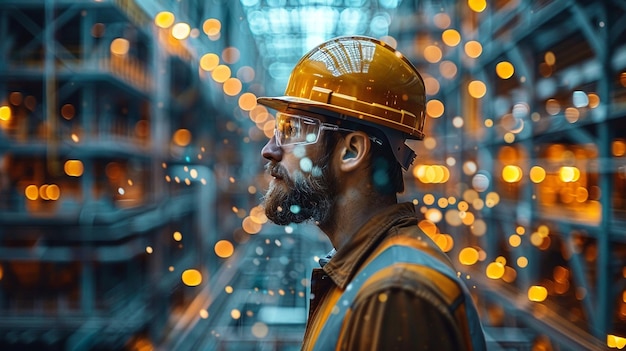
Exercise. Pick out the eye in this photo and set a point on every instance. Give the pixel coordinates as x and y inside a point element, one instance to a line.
<point>287,127</point>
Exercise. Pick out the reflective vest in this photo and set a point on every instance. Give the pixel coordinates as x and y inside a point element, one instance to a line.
<point>394,253</point>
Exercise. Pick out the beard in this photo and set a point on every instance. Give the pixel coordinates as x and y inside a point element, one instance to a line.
<point>301,198</point>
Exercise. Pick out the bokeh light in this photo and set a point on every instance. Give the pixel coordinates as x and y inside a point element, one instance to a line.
<point>164,19</point>
<point>191,277</point>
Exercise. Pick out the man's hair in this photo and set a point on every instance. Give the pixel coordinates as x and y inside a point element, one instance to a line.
<point>385,171</point>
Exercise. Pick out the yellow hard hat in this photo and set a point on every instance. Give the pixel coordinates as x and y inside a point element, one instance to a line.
<point>362,80</point>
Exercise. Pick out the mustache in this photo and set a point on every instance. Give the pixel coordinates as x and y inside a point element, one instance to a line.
<point>276,170</point>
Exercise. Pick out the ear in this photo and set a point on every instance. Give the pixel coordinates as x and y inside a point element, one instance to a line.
<point>354,149</point>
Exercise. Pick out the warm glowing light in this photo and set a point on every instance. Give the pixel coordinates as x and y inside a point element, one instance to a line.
<point>428,227</point>
<point>537,174</point>
<point>43,192</point>
<point>73,168</point>
<point>209,61</point>
<point>515,240</point>
<point>444,241</point>
<point>582,194</point>
<point>511,174</point>
<point>495,270</point>
<point>477,89</point>
<point>120,46</point>
<point>232,86</point>
<point>435,216</point>
<point>212,27</point>
<point>618,148</point>
<point>247,101</point>
<point>182,137</point>
<point>250,226</point>
<point>569,174</point>
<point>467,218</point>
<point>469,167</point>
<point>434,108</point>
<point>164,19</point>
<point>257,215</point>
<point>53,192</point>
<point>221,73</point>
<point>492,199</point>
<point>260,115</point>
<point>537,293</point>
<point>473,49</point>
<point>224,249</point>
<point>191,277</point>
<point>468,256</point>
<point>5,113</point>
<point>451,37</point>
<point>204,314</point>
<point>31,192</point>
<point>181,31</point>
<point>432,54</point>
<point>149,249</point>
<point>522,262</point>
<point>594,100</point>
<point>177,236</point>
<point>477,5</point>
<point>615,342</point>
<point>505,70</point>
<point>235,314</point>
<point>572,114</point>
<point>549,58</point>
<point>431,174</point>
<point>428,199</point>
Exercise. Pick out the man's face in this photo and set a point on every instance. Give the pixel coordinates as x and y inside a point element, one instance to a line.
<point>303,187</point>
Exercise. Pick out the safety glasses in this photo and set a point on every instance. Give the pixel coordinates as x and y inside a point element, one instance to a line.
<point>302,130</point>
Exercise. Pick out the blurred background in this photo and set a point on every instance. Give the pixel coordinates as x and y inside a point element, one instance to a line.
<point>131,175</point>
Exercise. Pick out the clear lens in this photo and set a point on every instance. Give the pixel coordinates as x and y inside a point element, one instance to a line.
<point>293,129</point>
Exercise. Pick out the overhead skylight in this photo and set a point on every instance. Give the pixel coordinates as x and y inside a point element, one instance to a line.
<point>284,30</point>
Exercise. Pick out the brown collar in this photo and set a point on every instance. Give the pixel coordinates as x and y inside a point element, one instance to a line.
<point>348,259</point>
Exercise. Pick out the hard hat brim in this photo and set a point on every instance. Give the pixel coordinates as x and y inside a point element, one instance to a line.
<point>283,103</point>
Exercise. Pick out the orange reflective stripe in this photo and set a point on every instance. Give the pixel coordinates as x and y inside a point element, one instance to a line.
<point>320,317</point>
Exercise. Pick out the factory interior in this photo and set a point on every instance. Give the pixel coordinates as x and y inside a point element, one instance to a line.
<point>131,174</point>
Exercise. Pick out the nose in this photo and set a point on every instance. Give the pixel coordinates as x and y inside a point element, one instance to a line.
<point>272,151</point>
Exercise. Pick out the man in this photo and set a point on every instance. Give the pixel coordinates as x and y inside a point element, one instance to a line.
<point>337,158</point>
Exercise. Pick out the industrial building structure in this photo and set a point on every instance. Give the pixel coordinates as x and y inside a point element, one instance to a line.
<point>131,174</point>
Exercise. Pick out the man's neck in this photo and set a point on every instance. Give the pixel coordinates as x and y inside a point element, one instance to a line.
<point>352,210</point>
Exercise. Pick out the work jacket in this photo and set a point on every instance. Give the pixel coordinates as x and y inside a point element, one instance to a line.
<point>391,288</point>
